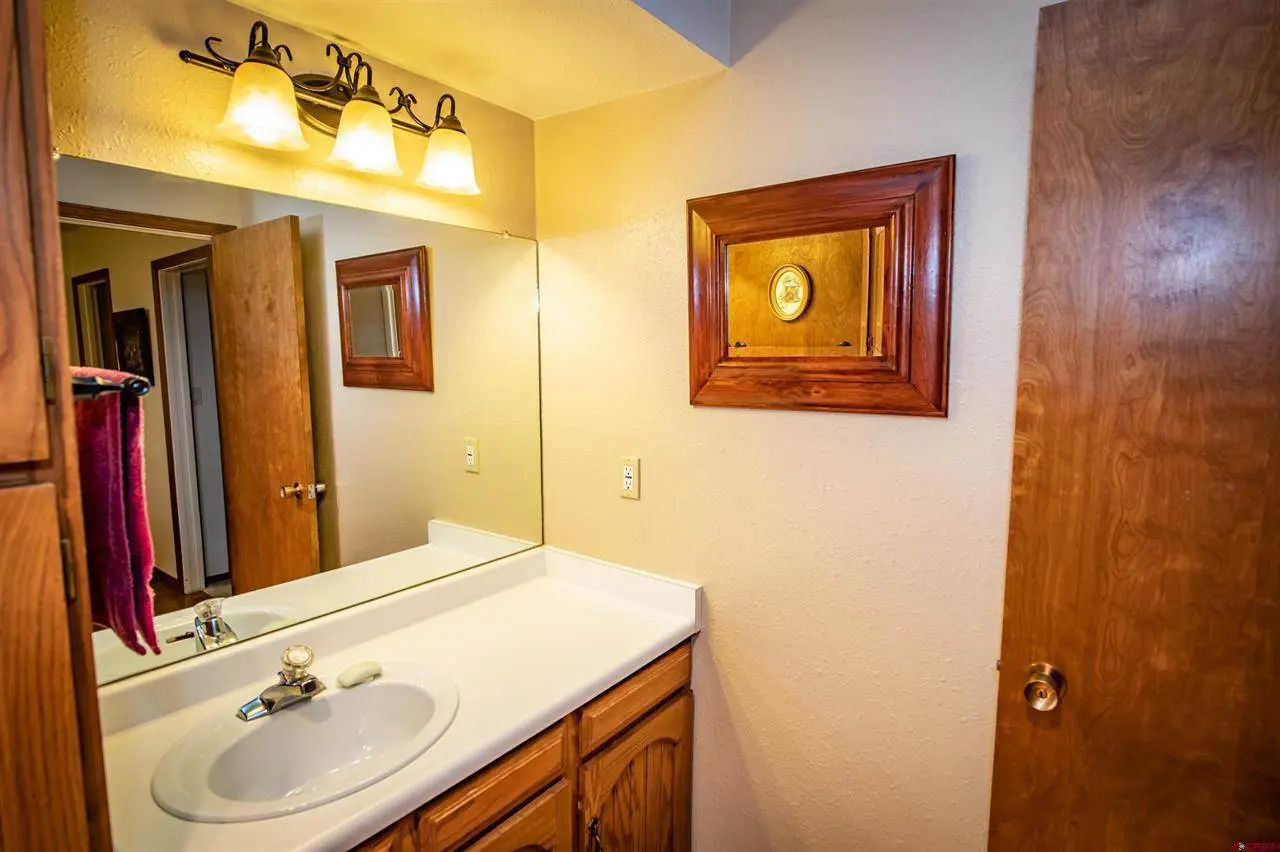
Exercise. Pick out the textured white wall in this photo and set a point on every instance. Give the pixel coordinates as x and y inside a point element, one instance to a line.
<point>120,95</point>
<point>853,565</point>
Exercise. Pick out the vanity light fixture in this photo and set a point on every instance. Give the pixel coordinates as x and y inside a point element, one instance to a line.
<point>267,102</point>
<point>448,165</point>
<point>365,141</point>
<point>261,110</point>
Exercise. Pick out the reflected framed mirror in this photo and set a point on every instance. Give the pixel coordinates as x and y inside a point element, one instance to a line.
<point>94,329</point>
<point>275,492</point>
<point>384,312</point>
<point>829,294</point>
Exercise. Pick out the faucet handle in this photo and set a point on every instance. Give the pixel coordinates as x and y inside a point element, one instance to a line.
<point>208,609</point>
<point>295,661</point>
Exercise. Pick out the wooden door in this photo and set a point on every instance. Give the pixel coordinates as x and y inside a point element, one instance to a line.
<point>264,403</point>
<point>24,434</point>
<point>636,793</point>
<point>1144,544</point>
<point>43,800</point>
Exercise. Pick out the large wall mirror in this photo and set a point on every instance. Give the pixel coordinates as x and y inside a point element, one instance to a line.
<point>276,492</point>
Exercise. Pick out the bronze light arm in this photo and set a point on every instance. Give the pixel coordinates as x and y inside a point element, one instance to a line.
<point>320,96</point>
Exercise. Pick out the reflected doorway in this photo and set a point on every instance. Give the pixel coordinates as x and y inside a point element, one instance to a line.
<point>184,328</point>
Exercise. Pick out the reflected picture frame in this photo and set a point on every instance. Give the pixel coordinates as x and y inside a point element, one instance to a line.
<point>132,332</point>
<point>407,272</point>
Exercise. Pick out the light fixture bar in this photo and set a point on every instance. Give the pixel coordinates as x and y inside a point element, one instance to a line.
<point>268,104</point>
<point>324,99</point>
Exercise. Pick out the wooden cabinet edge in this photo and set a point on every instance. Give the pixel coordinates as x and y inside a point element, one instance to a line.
<point>500,789</point>
<point>669,723</point>
<point>546,823</point>
<point>617,710</point>
<point>654,689</point>
<point>399,837</point>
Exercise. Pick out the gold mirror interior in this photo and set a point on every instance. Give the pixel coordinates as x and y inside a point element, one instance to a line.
<point>807,296</point>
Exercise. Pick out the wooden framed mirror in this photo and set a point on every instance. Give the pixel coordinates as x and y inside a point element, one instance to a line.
<point>829,294</point>
<point>384,311</point>
<point>95,330</point>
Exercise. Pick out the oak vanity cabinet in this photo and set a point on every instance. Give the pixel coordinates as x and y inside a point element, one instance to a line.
<point>636,792</point>
<point>614,776</point>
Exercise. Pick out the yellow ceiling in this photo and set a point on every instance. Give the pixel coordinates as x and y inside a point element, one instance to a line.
<point>536,57</point>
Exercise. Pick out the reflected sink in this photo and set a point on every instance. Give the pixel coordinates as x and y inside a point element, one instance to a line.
<point>306,755</point>
<point>114,661</point>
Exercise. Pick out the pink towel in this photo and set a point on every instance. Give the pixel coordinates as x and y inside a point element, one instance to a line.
<point>117,533</point>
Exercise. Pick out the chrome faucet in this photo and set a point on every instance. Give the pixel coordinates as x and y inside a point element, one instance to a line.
<point>295,685</point>
<point>211,631</point>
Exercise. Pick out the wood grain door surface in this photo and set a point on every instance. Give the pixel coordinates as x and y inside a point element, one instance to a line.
<point>24,434</point>
<point>1144,544</point>
<point>264,403</point>
<point>636,792</point>
<point>42,805</point>
<point>543,825</point>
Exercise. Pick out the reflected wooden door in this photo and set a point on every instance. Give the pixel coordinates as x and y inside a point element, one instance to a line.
<point>1144,543</point>
<point>264,404</point>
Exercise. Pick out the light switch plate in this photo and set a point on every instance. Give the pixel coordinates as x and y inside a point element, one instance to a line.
<point>630,478</point>
<point>471,455</point>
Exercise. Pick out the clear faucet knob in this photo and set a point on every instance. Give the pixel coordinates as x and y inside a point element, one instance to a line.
<point>208,609</point>
<point>295,661</point>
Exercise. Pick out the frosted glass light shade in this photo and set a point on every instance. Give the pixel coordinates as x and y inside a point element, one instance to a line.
<point>262,109</point>
<point>365,140</point>
<point>448,166</point>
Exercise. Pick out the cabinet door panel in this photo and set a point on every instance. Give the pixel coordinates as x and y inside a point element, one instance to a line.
<point>44,804</point>
<point>543,825</point>
<point>24,434</point>
<point>636,792</point>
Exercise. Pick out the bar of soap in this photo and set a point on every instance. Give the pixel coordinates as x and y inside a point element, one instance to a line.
<point>358,674</point>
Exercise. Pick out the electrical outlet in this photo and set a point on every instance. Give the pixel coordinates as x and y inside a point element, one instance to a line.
<point>630,478</point>
<point>471,455</point>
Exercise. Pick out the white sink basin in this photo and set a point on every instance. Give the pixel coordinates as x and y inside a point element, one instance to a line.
<point>303,756</point>
<point>114,661</point>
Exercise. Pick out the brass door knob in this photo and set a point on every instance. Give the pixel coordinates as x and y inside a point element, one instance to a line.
<point>295,491</point>
<point>1045,687</point>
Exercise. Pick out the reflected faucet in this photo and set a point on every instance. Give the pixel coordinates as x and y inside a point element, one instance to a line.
<point>211,630</point>
<point>295,685</point>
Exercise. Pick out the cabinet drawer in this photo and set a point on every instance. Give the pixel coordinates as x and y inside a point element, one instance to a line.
<point>482,800</point>
<point>626,703</point>
<point>543,825</point>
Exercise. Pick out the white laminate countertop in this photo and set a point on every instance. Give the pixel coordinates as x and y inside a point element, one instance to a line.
<point>527,640</point>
